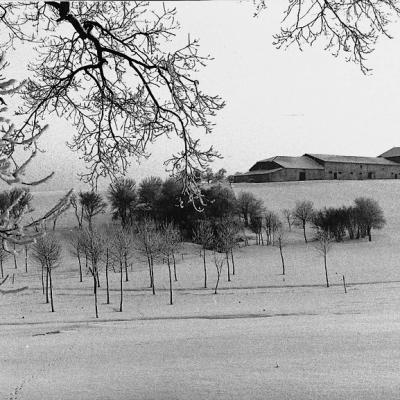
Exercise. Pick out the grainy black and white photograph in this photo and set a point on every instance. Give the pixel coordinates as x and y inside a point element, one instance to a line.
<point>200,200</point>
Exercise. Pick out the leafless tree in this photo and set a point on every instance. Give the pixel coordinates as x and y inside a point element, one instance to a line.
<point>248,205</point>
<point>303,213</point>
<point>288,215</point>
<point>271,223</point>
<point>281,239</point>
<point>323,244</point>
<point>92,204</point>
<point>147,243</point>
<point>77,210</point>
<point>350,28</point>
<point>169,241</point>
<point>226,231</point>
<point>76,249</point>
<point>13,227</point>
<point>203,234</point>
<point>369,214</point>
<point>93,243</point>
<point>107,68</point>
<point>121,252</point>
<point>47,252</point>
<point>219,263</point>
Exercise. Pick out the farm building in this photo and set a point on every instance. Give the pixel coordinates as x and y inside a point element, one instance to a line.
<point>323,166</point>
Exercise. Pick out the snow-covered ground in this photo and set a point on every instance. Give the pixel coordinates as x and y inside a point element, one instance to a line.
<point>264,336</point>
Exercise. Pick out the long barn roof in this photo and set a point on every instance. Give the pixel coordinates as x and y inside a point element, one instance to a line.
<point>294,162</point>
<point>351,159</point>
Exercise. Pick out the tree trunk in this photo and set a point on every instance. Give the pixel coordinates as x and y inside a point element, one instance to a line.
<point>233,263</point>
<point>54,224</point>
<point>95,292</point>
<point>51,291</point>
<point>205,268</point>
<point>80,265</point>
<point>152,275</point>
<point>42,279</point>
<point>304,231</point>
<point>344,284</point>
<point>120,287</point>
<point>175,277</point>
<point>326,272</point>
<point>15,258</point>
<point>126,267</point>
<point>369,234</point>
<point>47,285</point>
<point>1,266</point>
<point>97,277</point>
<point>216,286</point>
<point>170,281</point>
<point>229,269</point>
<point>283,261</point>
<point>26,258</point>
<point>108,291</point>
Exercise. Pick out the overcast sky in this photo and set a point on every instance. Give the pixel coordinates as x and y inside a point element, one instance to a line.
<point>277,102</point>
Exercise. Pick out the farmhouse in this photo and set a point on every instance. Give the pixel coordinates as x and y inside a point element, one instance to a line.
<point>324,166</point>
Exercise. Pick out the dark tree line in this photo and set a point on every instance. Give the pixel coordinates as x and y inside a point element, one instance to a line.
<point>355,222</point>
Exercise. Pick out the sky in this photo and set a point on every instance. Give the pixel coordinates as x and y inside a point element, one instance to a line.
<point>277,102</point>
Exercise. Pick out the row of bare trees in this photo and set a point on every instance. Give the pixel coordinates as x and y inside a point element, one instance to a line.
<point>115,248</point>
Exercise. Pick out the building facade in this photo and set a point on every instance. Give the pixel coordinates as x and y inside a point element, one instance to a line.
<point>324,167</point>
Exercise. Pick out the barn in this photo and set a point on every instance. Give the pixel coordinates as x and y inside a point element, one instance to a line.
<point>323,166</point>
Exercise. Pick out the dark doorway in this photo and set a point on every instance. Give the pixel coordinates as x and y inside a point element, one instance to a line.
<point>371,175</point>
<point>302,176</point>
<point>395,176</point>
<point>335,175</point>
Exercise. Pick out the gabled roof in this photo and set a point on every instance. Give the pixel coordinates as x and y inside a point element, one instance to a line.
<point>351,159</point>
<point>294,162</point>
<point>393,152</point>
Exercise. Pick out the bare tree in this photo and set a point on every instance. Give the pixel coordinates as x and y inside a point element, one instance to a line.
<point>288,215</point>
<point>106,67</point>
<point>219,263</point>
<point>350,28</point>
<point>92,204</point>
<point>121,252</point>
<point>77,249</point>
<point>369,214</point>
<point>248,205</point>
<point>281,239</point>
<point>147,243</point>
<point>13,227</point>
<point>77,210</point>
<point>323,245</point>
<point>271,224</point>
<point>303,213</point>
<point>47,252</point>
<point>169,240</point>
<point>226,231</point>
<point>93,243</point>
<point>203,234</point>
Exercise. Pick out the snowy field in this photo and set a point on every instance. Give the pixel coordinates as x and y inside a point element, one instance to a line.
<point>263,336</point>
